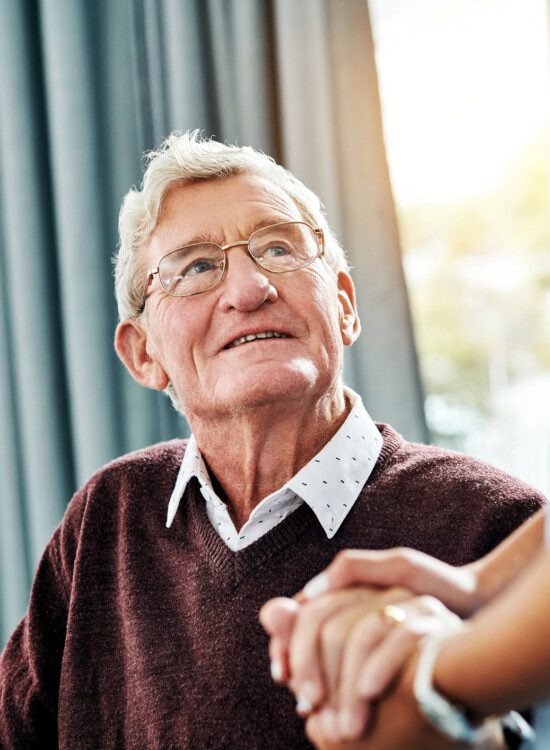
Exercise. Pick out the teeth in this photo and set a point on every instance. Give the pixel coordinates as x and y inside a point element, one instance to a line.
<point>253,336</point>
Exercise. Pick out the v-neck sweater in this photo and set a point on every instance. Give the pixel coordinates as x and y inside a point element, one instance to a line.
<point>139,636</point>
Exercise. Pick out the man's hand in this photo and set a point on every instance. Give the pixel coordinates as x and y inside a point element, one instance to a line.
<point>339,652</point>
<point>395,724</point>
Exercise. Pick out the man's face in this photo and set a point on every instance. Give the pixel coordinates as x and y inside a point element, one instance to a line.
<point>189,336</point>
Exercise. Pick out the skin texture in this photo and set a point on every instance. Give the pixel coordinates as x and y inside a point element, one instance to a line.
<point>262,410</point>
<point>331,636</point>
<point>395,725</point>
<point>340,655</point>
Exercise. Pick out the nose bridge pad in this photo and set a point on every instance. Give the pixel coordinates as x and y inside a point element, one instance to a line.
<point>246,287</point>
<point>248,255</point>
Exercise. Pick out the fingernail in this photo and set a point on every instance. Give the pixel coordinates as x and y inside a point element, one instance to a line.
<point>276,670</point>
<point>349,723</point>
<point>317,585</point>
<point>303,706</point>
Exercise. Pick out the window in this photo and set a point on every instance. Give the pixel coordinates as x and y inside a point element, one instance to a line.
<point>465,90</point>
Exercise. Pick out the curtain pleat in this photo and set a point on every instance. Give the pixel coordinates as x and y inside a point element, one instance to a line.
<point>385,365</point>
<point>333,140</point>
<point>31,302</point>
<point>85,89</point>
<point>188,67</point>
<point>15,565</point>
<point>36,472</point>
<point>82,241</point>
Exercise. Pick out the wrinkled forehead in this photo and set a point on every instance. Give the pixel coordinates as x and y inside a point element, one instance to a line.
<point>220,210</point>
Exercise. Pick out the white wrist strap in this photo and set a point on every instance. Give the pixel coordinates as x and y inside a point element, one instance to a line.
<point>449,719</point>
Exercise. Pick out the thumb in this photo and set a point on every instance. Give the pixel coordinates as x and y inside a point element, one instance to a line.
<point>277,617</point>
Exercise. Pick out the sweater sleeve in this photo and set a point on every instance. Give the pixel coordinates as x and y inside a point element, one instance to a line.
<point>30,665</point>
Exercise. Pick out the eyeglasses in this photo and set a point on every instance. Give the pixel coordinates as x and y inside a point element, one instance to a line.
<point>197,268</point>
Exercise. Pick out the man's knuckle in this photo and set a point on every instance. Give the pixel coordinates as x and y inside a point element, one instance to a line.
<point>399,593</point>
<point>331,635</point>
<point>361,633</point>
<point>431,605</point>
<point>342,562</point>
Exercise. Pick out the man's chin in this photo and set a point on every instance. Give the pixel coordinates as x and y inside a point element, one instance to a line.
<point>253,388</point>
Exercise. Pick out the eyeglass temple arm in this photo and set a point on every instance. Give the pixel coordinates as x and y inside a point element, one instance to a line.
<point>150,277</point>
<point>321,237</point>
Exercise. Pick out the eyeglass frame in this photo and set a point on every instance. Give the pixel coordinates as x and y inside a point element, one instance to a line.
<point>319,234</point>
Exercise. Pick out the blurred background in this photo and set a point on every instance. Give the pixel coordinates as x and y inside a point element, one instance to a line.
<point>422,125</point>
<point>464,89</point>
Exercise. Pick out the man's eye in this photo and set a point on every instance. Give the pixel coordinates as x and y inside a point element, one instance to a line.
<point>198,266</point>
<point>276,251</point>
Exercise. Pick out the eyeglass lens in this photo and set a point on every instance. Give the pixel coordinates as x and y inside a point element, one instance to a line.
<point>200,267</point>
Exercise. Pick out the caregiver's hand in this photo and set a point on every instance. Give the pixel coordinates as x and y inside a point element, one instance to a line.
<point>457,587</point>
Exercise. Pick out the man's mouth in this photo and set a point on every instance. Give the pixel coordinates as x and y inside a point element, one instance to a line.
<point>254,336</point>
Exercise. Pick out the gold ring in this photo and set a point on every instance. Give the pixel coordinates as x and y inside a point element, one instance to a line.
<point>392,614</point>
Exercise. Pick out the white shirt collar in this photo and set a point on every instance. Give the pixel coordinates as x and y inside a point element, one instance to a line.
<point>330,483</point>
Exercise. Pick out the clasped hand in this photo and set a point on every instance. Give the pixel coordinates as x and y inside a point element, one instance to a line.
<point>339,653</point>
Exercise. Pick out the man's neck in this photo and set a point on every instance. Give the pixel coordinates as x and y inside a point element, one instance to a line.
<point>253,453</point>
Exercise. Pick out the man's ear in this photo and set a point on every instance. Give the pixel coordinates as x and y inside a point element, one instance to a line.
<point>131,347</point>
<point>350,326</point>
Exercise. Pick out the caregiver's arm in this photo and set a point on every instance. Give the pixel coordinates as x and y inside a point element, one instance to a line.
<point>502,660</point>
<point>463,589</point>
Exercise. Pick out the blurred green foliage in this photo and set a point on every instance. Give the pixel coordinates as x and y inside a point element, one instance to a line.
<point>478,274</point>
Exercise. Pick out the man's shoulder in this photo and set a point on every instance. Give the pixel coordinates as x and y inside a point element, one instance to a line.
<point>450,505</point>
<point>445,467</point>
<point>131,478</point>
<point>167,454</point>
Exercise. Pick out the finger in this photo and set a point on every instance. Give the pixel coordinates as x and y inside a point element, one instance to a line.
<point>277,617</point>
<point>319,733</point>
<point>348,722</point>
<point>385,662</point>
<point>333,636</point>
<point>278,660</point>
<point>399,566</point>
<point>351,567</point>
<point>305,663</point>
<point>353,710</point>
<point>424,616</point>
<point>314,731</point>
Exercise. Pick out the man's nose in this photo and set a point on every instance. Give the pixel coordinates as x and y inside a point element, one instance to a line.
<point>245,286</point>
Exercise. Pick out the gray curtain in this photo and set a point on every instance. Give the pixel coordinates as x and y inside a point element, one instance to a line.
<point>85,88</point>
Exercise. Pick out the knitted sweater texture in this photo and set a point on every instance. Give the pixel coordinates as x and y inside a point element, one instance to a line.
<point>139,636</point>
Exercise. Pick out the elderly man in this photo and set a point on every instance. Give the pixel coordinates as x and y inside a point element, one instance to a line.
<point>142,630</point>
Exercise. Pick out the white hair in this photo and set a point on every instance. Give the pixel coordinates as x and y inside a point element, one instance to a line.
<point>184,158</point>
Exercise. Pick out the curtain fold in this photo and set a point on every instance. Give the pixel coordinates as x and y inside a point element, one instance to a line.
<point>34,394</point>
<point>85,89</point>
<point>384,366</point>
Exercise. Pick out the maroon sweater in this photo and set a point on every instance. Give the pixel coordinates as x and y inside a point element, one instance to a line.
<point>139,636</point>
